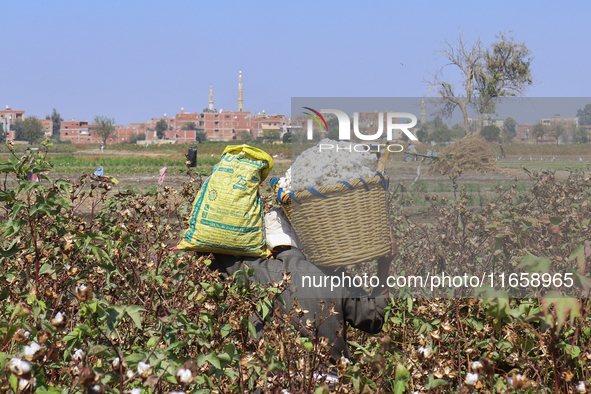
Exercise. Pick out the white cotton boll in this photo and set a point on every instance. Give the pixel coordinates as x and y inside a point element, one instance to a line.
<point>144,369</point>
<point>26,383</point>
<point>427,352</point>
<point>471,379</point>
<point>31,350</point>
<point>184,375</point>
<point>78,355</point>
<point>19,367</point>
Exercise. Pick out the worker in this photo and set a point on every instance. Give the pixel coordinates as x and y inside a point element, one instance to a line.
<point>352,304</point>
<point>412,149</point>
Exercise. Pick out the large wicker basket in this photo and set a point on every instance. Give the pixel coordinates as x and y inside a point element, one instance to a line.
<point>341,224</point>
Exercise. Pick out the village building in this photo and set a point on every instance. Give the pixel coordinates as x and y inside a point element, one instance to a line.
<point>7,118</point>
<point>80,132</point>
<point>524,133</point>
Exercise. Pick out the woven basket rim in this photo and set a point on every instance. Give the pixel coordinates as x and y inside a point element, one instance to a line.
<point>357,184</point>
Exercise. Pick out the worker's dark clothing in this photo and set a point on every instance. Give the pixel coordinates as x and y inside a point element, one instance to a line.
<point>353,304</point>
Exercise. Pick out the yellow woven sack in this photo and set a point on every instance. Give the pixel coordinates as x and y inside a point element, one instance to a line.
<point>227,215</point>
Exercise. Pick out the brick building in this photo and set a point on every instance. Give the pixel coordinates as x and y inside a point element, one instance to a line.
<point>47,126</point>
<point>262,122</point>
<point>80,132</point>
<point>218,126</point>
<point>524,133</point>
<point>7,118</point>
<point>125,133</point>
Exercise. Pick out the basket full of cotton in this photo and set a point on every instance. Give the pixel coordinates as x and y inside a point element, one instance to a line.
<point>335,198</point>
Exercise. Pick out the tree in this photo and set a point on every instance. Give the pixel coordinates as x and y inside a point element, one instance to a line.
<point>315,136</point>
<point>105,127</point>
<point>271,135</point>
<point>580,135</point>
<point>161,127</point>
<point>486,75</point>
<point>30,129</point>
<point>56,123</point>
<point>437,121</point>
<point>584,115</point>
<point>509,129</point>
<point>423,134</point>
<point>333,128</point>
<point>491,133</point>
<point>287,138</point>
<point>468,59</point>
<point>458,133</point>
<point>200,135</point>
<point>245,136</point>
<point>442,134</point>
<point>189,126</point>
<point>505,73</point>
<point>134,138</point>
<point>539,131</point>
<point>16,126</point>
<point>2,134</point>
<point>556,130</point>
<point>301,136</point>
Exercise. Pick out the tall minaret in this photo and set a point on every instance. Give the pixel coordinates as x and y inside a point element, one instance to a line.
<point>423,112</point>
<point>211,97</point>
<point>240,91</point>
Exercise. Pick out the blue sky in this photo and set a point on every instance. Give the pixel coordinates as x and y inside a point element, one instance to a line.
<point>136,60</point>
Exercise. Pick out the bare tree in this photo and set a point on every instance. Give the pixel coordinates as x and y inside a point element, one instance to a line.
<point>468,58</point>
<point>487,75</point>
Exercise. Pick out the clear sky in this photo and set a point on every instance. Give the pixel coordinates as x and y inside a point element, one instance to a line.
<point>134,60</point>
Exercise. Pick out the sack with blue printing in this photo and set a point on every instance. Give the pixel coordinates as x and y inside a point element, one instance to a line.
<point>227,215</point>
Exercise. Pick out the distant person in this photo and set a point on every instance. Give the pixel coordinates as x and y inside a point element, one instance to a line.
<point>412,149</point>
<point>102,146</point>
